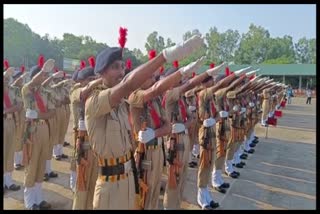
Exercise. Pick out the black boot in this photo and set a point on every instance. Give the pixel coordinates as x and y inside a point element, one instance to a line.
<point>214,205</point>
<point>44,205</point>
<point>232,175</point>
<point>220,189</point>
<point>252,145</point>
<point>13,187</point>
<point>237,173</point>
<point>225,185</point>
<point>243,156</point>
<point>53,175</point>
<point>238,165</point>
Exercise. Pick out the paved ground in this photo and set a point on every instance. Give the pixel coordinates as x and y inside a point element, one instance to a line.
<point>281,174</point>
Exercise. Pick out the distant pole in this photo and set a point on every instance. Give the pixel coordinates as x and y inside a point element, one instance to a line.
<point>300,82</point>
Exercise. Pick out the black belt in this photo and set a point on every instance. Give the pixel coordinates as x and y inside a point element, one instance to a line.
<point>112,170</point>
<point>153,142</point>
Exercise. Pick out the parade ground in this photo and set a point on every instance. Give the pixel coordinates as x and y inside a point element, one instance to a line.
<point>281,174</point>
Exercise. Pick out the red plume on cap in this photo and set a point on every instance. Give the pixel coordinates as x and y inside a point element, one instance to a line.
<point>123,37</point>
<point>253,76</point>
<point>152,54</point>
<point>176,64</point>
<point>227,71</point>
<point>212,65</point>
<point>64,74</point>
<point>82,64</point>
<point>56,69</point>
<point>6,64</point>
<point>161,69</point>
<point>22,68</point>
<point>41,61</point>
<point>129,64</point>
<point>92,61</point>
<point>193,74</point>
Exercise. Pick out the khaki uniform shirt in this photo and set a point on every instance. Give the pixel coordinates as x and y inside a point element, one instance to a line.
<point>29,98</point>
<point>108,128</point>
<point>138,109</point>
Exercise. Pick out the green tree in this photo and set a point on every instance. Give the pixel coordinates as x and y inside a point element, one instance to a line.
<point>228,44</point>
<point>154,42</point>
<point>170,43</point>
<point>313,50</point>
<point>253,46</point>
<point>71,45</point>
<point>303,51</point>
<point>17,40</point>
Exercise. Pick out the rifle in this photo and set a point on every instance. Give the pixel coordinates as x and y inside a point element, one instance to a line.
<point>207,135</point>
<point>27,143</point>
<point>173,175</point>
<point>141,175</point>
<point>81,155</point>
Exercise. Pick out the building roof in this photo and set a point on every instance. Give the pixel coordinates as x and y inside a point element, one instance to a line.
<point>277,69</point>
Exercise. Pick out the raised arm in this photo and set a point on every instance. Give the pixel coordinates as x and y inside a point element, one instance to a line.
<point>144,72</point>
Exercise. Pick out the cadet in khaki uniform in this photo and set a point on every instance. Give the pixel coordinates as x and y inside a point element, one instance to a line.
<point>243,99</point>
<point>86,161</point>
<point>265,106</point>
<point>222,132</point>
<point>74,114</point>
<point>68,83</point>
<point>147,116</point>
<point>62,117</point>
<point>38,110</point>
<point>206,115</point>
<point>19,80</point>
<point>52,122</point>
<point>192,103</point>
<point>74,107</point>
<point>11,105</point>
<point>108,125</point>
<point>179,140</point>
<point>191,100</point>
<point>234,124</point>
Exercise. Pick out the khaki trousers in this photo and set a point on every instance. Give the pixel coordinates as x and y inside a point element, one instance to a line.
<point>83,200</point>
<point>20,128</point>
<point>205,166</point>
<point>35,169</point>
<point>52,136</point>
<point>173,197</point>
<point>9,144</point>
<point>118,195</point>
<point>154,177</point>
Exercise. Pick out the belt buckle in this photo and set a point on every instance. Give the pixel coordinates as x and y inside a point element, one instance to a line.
<point>127,166</point>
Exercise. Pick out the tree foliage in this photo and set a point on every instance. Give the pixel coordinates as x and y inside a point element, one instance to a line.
<point>22,46</point>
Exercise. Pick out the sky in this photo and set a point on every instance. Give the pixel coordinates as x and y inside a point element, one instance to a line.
<point>102,22</point>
